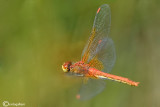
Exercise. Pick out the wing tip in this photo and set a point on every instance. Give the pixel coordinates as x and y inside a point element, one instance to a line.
<point>78,96</point>
<point>104,5</point>
<point>98,10</point>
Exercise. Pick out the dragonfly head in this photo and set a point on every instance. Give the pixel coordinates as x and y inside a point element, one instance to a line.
<point>66,66</point>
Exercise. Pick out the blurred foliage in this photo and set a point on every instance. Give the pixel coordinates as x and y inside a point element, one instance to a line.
<point>37,36</point>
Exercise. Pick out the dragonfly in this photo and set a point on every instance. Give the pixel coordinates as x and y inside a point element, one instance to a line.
<point>98,58</point>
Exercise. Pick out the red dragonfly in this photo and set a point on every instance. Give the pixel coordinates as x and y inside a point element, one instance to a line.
<point>98,58</point>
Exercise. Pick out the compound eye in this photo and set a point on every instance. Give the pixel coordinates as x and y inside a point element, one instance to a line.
<point>66,66</point>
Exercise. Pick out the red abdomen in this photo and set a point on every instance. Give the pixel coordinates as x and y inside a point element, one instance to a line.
<point>100,74</point>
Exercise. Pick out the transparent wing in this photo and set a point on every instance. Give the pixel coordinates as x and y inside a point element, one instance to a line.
<point>100,30</point>
<point>105,56</point>
<point>104,59</point>
<point>90,89</point>
<point>100,51</point>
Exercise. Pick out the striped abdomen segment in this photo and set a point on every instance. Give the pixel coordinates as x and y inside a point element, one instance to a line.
<point>103,75</point>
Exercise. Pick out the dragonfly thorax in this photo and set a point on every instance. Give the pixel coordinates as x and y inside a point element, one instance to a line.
<point>79,68</point>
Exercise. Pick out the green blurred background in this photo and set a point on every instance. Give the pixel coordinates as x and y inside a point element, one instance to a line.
<point>37,36</point>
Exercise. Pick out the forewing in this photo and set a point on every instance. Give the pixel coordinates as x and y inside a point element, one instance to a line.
<point>100,30</point>
<point>90,89</point>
